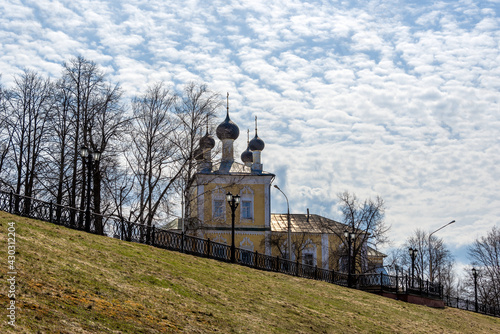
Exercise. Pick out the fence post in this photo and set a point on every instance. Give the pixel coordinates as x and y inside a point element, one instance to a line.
<point>208,248</point>
<point>153,234</point>
<point>297,270</point>
<point>51,212</point>
<point>255,259</point>
<point>277,263</point>
<point>10,201</point>
<point>122,228</point>
<point>182,242</point>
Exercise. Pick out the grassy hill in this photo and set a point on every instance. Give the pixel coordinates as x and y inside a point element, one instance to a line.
<point>73,282</point>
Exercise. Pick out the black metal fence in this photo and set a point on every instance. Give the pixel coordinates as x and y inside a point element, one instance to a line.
<point>119,228</point>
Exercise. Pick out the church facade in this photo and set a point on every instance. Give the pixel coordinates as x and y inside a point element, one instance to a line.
<point>315,240</point>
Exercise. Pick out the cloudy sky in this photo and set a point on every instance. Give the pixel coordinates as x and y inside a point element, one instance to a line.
<point>378,97</point>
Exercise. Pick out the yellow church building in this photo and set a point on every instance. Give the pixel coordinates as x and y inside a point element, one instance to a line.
<point>315,240</point>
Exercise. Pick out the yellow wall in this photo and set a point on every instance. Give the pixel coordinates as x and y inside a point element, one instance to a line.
<point>259,205</point>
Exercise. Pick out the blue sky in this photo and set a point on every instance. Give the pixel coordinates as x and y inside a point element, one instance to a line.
<point>392,98</point>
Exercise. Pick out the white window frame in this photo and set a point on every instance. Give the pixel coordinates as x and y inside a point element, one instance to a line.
<point>218,194</point>
<point>247,195</point>
<point>310,248</point>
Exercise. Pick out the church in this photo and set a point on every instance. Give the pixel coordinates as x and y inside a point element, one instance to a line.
<point>315,240</point>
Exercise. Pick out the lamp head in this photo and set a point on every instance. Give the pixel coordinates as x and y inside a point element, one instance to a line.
<point>96,155</point>
<point>229,197</point>
<point>84,151</point>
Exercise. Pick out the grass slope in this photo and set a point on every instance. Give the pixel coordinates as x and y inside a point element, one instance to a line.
<point>73,282</point>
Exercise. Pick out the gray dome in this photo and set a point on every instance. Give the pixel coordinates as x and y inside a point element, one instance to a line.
<point>247,155</point>
<point>198,154</point>
<point>256,144</point>
<point>207,142</point>
<point>227,130</point>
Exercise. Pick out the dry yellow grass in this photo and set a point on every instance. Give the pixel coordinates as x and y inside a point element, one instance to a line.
<point>73,282</point>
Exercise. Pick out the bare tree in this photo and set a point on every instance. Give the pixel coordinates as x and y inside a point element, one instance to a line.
<point>97,119</point>
<point>278,240</point>
<point>195,112</point>
<point>29,107</point>
<point>83,80</point>
<point>61,141</point>
<point>442,259</point>
<point>366,220</point>
<point>104,131</point>
<point>153,157</point>
<point>4,133</point>
<point>485,257</point>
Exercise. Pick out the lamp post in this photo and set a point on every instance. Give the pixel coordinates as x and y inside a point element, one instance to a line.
<point>474,273</point>
<point>89,157</point>
<point>431,278</point>
<point>289,238</point>
<point>350,236</point>
<point>233,202</point>
<point>413,253</point>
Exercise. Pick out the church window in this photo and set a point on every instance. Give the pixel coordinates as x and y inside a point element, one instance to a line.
<point>309,259</point>
<point>219,204</point>
<point>218,208</point>
<point>246,209</point>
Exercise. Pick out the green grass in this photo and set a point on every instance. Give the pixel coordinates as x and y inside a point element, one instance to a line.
<point>73,282</point>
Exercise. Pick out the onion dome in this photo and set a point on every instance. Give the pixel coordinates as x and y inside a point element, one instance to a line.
<point>207,142</point>
<point>256,144</point>
<point>198,154</point>
<point>227,129</point>
<point>247,156</point>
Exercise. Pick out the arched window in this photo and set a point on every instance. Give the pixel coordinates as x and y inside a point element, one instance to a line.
<point>246,205</point>
<point>218,204</point>
<point>309,253</point>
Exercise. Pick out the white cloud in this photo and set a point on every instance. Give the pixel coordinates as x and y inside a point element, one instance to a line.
<point>388,98</point>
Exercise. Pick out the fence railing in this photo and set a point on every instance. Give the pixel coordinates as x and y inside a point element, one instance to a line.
<point>119,228</point>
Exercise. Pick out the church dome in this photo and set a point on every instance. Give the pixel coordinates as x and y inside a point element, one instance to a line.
<point>256,144</point>
<point>207,142</point>
<point>247,156</point>
<point>228,129</point>
<point>198,154</point>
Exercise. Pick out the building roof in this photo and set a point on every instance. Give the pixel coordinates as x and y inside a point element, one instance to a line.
<point>375,253</point>
<point>234,168</point>
<point>304,223</point>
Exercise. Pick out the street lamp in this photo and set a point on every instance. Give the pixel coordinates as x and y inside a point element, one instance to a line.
<point>289,239</point>
<point>430,251</point>
<point>350,236</point>
<point>89,157</point>
<point>474,273</point>
<point>413,253</point>
<point>233,202</point>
